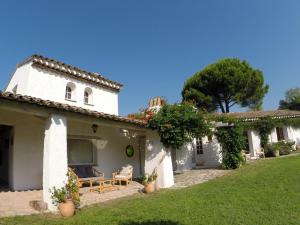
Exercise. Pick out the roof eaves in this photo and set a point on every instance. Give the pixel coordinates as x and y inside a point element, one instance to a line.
<point>66,107</point>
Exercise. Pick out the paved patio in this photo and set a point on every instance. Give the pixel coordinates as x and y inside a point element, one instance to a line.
<point>197,176</point>
<point>19,203</point>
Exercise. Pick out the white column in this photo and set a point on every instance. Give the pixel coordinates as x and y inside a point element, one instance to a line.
<point>254,142</point>
<point>273,136</point>
<point>288,133</point>
<point>212,152</point>
<point>55,156</point>
<point>158,158</point>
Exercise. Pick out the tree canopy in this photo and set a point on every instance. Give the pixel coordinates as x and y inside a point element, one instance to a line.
<point>225,83</point>
<point>292,99</point>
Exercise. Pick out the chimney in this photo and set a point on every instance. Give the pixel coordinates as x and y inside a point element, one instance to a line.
<point>156,103</point>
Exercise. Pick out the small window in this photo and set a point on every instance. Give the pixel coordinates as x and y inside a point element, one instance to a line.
<point>68,93</point>
<point>199,146</point>
<point>88,94</point>
<point>279,132</point>
<point>86,97</point>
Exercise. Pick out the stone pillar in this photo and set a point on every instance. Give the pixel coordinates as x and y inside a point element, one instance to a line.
<point>55,162</point>
<point>158,158</point>
<point>254,142</point>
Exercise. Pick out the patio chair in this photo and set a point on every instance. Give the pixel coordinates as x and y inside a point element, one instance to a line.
<point>125,174</point>
<point>88,174</point>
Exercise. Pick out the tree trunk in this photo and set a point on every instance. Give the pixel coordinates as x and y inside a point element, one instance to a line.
<point>221,106</point>
<point>227,107</point>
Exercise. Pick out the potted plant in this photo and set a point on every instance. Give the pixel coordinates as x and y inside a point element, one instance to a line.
<point>67,197</point>
<point>61,197</point>
<point>149,182</point>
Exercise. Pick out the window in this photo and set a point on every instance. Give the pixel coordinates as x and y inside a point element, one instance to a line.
<point>81,152</point>
<point>68,93</point>
<point>199,146</point>
<point>279,132</point>
<point>87,98</point>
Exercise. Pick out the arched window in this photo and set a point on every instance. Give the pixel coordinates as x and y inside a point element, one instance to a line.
<point>70,91</point>
<point>87,98</point>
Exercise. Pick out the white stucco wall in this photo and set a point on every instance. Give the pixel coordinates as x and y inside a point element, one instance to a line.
<point>48,85</point>
<point>212,152</point>
<point>254,142</point>
<point>26,163</point>
<point>19,78</point>
<point>291,134</point>
<point>297,135</point>
<point>111,154</point>
<point>184,157</point>
<point>158,158</point>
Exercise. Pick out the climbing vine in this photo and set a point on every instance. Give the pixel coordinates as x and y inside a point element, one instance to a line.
<point>232,142</point>
<point>178,124</point>
<point>263,125</point>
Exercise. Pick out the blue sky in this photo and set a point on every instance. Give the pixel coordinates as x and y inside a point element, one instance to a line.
<point>152,47</point>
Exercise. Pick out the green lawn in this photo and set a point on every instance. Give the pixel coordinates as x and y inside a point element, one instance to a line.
<point>264,192</point>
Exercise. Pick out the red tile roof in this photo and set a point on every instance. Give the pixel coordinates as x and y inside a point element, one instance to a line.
<point>55,105</point>
<point>51,64</point>
<point>260,114</point>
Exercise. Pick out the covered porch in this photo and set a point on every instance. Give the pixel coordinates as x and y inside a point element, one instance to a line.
<point>42,140</point>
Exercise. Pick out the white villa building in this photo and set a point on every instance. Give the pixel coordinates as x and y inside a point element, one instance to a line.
<point>54,115</point>
<point>206,151</point>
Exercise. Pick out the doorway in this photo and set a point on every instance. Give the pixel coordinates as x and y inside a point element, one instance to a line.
<point>5,150</point>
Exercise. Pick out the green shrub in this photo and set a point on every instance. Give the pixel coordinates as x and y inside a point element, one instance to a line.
<point>232,142</point>
<point>59,195</point>
<point>270,150</point>
<point>284,148</point>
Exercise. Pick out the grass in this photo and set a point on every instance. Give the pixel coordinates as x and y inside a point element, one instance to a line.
<point>264,192</point>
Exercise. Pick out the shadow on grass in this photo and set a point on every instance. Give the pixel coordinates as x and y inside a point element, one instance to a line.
<point>150,222</point>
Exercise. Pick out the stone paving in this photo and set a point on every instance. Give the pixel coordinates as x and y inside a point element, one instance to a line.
<point>20,203</point>
<point>197,176</point>
<point>89,198</point>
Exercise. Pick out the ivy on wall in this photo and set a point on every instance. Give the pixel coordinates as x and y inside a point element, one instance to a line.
<point>263,125</point>
<point>178,124</point>
<point>232,142</point>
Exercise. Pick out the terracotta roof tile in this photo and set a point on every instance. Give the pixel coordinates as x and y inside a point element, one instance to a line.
<point>260,114</point>
<point>47,63</point>
<point>50,104</point>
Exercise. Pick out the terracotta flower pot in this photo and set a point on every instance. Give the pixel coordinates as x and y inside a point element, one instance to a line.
<point>150,187</point>
<point>67,208</point>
